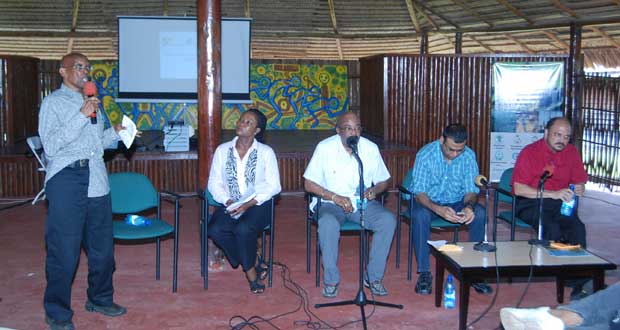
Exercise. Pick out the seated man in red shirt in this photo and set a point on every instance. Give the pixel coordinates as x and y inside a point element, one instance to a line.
<point>552,153</point>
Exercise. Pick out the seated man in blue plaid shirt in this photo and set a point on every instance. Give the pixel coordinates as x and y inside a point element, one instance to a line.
<point>443,185</point>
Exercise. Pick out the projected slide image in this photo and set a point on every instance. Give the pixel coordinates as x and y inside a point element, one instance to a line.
<point>177,58</point>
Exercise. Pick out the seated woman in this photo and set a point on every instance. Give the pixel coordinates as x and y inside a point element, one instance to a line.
<point>242,168</point>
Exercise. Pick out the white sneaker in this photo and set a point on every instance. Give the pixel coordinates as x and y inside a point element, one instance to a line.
<point>530,319</point>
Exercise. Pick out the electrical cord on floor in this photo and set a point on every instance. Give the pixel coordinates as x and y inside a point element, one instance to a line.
<point>529,281</point>
<point>14,203</point>
<point>486,310</point>
<point>313,321</point>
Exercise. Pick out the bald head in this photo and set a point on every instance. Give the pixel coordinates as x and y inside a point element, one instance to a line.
<point>70,59</point>
<point>74,70</point>
<point>558,133</point>
<point>346,117</point>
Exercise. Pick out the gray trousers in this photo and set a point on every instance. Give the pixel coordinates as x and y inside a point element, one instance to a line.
<point>376,218</point>
<point>597,309</point>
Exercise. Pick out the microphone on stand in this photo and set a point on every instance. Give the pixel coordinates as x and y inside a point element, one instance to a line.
<point>90,90</point>
<point>547,173</point>
<point>484,246</point>
<point>352,142</point>
<point>481,181</point>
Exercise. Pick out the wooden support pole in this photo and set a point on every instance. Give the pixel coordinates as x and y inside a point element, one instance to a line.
<point>458,43</point>
<point>209,84</point>
<point>573,70</point>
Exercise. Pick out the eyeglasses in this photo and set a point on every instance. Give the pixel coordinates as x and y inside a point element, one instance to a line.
<point>349,129</point>
<point>82,67</point>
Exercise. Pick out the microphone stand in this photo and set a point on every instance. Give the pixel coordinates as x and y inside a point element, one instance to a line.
<point>540,241</point>
<point>360,298</point>
<point>485,246</point>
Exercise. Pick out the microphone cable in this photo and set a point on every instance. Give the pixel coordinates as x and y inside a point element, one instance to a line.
<point>492,303</point>
<point>312,322</point>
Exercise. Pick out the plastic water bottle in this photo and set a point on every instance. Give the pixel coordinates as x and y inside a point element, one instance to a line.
<point>137,220</point>
<point>449,296</point>
<point>568,207</point>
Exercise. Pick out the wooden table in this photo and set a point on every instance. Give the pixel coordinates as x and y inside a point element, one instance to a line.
<point>513,258</point>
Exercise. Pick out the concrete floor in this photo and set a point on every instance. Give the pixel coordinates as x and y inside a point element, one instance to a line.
<point>152,305</point>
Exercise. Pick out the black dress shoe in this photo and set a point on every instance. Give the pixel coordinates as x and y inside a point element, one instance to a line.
<point>424,284</point>
<point>59,325</point>
<point>482,288</point>
<point>112,310</point>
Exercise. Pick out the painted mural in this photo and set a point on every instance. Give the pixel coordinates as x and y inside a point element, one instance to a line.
<point>292,96</point>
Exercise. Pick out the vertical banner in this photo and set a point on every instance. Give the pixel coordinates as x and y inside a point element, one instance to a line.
<point>525,97</point>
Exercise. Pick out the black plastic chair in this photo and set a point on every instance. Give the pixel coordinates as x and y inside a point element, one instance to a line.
<point>205,217</point>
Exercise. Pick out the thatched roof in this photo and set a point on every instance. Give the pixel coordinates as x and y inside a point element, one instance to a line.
<point>324,29</point>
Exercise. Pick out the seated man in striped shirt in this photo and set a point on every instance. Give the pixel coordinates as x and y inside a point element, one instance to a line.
<point>443,185</point>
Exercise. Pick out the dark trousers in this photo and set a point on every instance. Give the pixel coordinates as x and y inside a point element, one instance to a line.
<point>74,220</point>
<point>237,237</point>
<point>556,226</point>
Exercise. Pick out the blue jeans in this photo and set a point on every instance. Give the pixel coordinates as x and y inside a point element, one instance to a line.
<point>376,218</point>
<point>421,226</point>
<point>597,309</point>
<point>74,220</point>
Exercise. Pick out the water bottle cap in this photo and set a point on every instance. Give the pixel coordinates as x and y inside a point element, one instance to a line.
<point>449,277</point>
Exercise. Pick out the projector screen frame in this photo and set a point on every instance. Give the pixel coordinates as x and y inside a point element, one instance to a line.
<point>188,97</point>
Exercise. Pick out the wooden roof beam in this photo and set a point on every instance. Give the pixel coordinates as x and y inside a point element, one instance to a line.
<point>332,15</point>
<point>412,15</point>
<point>564,8</point>
<point>339,46</point>
<point>435,13</point>
<point>555,38</point>
<point>519,43</point>
<point>473,12</point>
<point>606,36</point>
<point>74,18</point>
<point>246,8</point>
<point>428,17</point>
<point>481,44</point>
<point>516,11</point>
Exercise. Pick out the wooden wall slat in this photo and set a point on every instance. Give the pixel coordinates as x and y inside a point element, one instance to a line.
<point>443,89</point>
<point>20,178</point>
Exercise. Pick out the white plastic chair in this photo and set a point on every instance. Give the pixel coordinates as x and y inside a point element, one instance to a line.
<point>34,142</point>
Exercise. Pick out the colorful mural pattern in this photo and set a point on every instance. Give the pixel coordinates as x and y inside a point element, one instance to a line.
<point>292,96</point>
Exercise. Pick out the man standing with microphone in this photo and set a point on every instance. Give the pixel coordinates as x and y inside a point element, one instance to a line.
<point>556,163</point>
<point>76,184</point>
<point>332,175</point>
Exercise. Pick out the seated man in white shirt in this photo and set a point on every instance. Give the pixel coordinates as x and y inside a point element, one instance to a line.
<point>332,174</point>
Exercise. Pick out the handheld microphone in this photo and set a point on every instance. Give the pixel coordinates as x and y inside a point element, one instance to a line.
<point>90,90</point>
<point>352,142</point>
<point>481,181</point>
<point>547,172</point>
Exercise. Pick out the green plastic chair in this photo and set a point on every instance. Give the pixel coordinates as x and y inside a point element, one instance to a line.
<point>133,193</point>
<point>503,193</point>
<point>404,197</point>
<point>312,218</point>
<point>205,217</point>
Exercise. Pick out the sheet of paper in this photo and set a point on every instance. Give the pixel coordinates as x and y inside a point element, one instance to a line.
<point>437,244</point>
<point>249,195</point>
<point>129,133</point>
